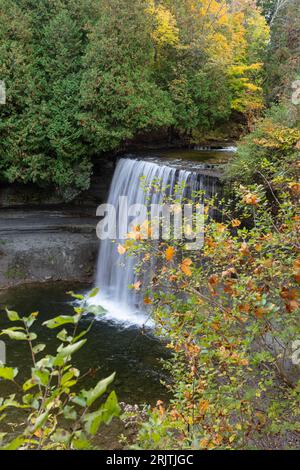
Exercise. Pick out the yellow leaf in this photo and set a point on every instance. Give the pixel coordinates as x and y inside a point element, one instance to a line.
<point>203,406</point>
<point>121,249</point>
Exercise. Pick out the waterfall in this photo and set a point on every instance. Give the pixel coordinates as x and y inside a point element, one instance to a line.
<point>115,273</point>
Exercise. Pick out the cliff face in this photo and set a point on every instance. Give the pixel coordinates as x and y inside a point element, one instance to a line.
<point>42,238</point>
<point>42,245</point>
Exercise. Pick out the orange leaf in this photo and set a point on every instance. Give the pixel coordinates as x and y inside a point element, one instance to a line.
<point>213,280</point>
<point>169,253</point>
<point>236,223</point>
<point>137,285</point>
<point>297,278</point>
<point>291,306</point>
<point>245,308</point>
<point>185,267</point>
<point>251,199</point>
<point>295,187</point>
<point>203,444</point>
<point>147,301</point>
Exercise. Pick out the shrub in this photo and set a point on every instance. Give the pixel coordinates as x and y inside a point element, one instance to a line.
<point>231,315</point>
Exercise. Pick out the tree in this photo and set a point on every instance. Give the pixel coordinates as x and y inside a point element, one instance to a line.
<point>119,93</point>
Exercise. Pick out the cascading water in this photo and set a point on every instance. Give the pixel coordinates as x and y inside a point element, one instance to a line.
<point>116,273</point>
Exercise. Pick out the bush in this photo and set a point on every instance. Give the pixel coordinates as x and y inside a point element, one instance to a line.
<point>272,148</point>
<point>231,316</point>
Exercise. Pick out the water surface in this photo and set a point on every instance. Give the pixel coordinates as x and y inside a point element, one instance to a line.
<point>132,353</point>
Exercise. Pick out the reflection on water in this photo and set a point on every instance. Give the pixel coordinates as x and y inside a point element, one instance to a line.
<point>201,155</point>
<point>216,156</point>
<point>131,353</point>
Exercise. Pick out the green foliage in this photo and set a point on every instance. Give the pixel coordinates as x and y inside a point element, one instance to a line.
<point>58,415</point>
<point>118,79</point>
<point>85,77</point>
<point>272,148</point>
<point>282,60</point>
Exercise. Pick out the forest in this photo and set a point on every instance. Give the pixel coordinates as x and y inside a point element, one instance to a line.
<point>85,77</point>
<point>87,81</point>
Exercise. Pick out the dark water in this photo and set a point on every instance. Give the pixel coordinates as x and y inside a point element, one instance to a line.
<point>216,156</point>
<point>132,354</point>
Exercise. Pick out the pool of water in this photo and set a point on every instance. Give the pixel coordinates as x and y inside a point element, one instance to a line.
<point>132,353</point>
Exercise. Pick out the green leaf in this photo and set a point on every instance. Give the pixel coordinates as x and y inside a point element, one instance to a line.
<point>8,373</point>
<point>80,401</point>
<point>80,441</point>
<point>111,408</point>
<point>42,377</point>
<point>29,321</point>
<point>40,421</point>
<point>66,380</point>
<point>92,395</point>
<point>63,336</point>
<point>76,296</point>
<point>11,403</point>
<point>62,320</point>
<point>16,335</point>
<point>12,316</point>
<point>28,385</point>
<point>32,336</point>
<point>15,444</point>
<point>70,413</point>
<point>61,436</point>
<point>95,310</point>
<point>68,351</point>
<point>93,422</point>
<point>93,293</point>
<point>105,414</point>
<point>38,348</point>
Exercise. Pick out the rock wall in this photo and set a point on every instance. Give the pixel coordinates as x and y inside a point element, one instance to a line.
<point>38,246</point>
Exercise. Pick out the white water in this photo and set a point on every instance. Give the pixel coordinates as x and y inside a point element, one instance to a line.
<point>115,273</point>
